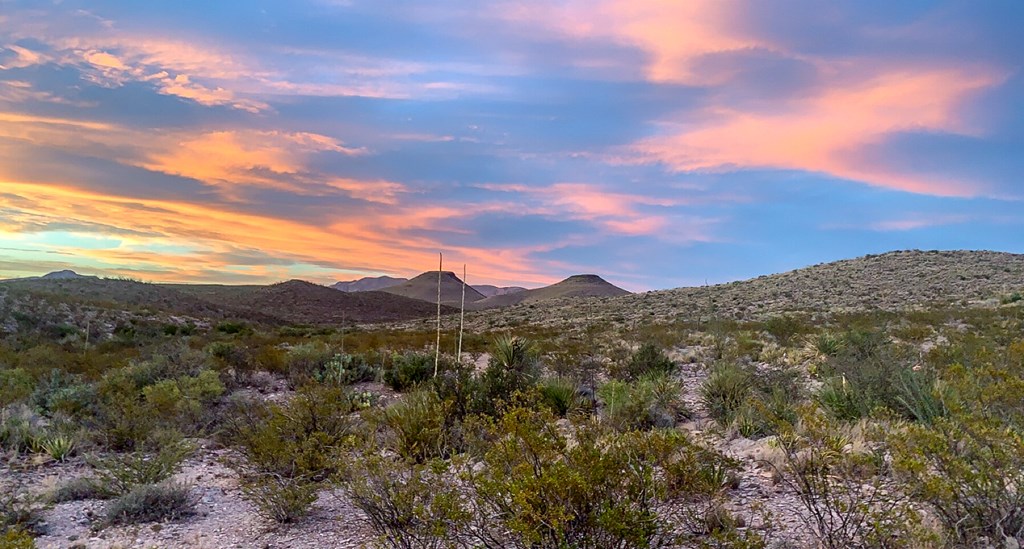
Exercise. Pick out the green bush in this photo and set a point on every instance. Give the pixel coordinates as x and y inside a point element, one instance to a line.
<point>17,539</point>
<point>59,447</point>
<point>65,393</point>
<point>725,391</point>
<point>847,498</point>
<point>407,504</point>
<point>121,473</point>
<point>648,359</point>
<point>970,469</point>
<point>16,385</point>
<point>151,503</point>
<point>409,370</point>
<point>652,401</point>
<point>20,429</point>
<point>535,489</point>
<point>280,499</point>
<point>300,439</point>
<point>183,403</point>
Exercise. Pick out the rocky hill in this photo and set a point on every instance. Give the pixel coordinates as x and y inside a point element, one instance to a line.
<point>578,286</point>
<point>424,288</point>
<point>368,284</point>
<point>889,282</point>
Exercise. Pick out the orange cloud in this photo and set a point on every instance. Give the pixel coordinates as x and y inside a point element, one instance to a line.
<point>359,241</point>
<point>822,133</point>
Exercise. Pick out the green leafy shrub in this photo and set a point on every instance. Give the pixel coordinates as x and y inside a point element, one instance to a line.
<point>17,539</point>
<point>280,499</point>
<point>652,401</point>
<point>847,497</point>
<point>183,402</point>
<point>121,473</point>
<point>299,439</point>
<point>407,504</point>
<point>535,489</point>
<point>842,400</point>
<point>970,469</point>
<point>16,385</point>
<point>409,370</point>
<point>648,359</point>
<point>418,426</point>
<point>65,393</point>
<point>150,503</point>
<point>725,391</point>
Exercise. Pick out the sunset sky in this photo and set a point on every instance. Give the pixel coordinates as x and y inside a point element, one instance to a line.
<point>656,143</point>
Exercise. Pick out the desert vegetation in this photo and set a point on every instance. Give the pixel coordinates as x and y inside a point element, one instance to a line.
<point>843,429</point>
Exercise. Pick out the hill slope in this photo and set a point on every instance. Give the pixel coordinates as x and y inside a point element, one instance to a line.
<point>587,285</point>
<point>424,288</point>
<point>889,282</point>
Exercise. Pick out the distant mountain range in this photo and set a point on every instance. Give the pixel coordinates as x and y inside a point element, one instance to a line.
<point>586,285</point>
<point>371,283</point>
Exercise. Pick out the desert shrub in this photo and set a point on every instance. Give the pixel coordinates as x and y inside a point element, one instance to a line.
<point>457,386</point>
<point>65,393</point>
<point>122,420</point>
<point>78,489</point>
<point>649,358</point>
<point>409,505</point>
<point>277,498</point>
<point>16,385</point>
<point>170,362</point>
<point>20,429</point>
<point>232,327</point>
<point>726,390</point>
<point>848,497</point>
<point>183,402</point>
<point>865,375</point>
<point>535,489</point>
<point>970,469</point>
<point>121,473</point>
<point>654,400</point>
<point>785,328</point>
<point>16,538</point>
<point>299,439</point>
<point>560,394</point>
<point>418,426</point>
<point>150,503</point>
<point>344,369</point>
<point>828,344</point>
<point>303,361</point>
<point>513,368</point>
<point>408,370</point>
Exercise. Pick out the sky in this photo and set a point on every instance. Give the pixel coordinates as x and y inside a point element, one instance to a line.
<point>656,143</point>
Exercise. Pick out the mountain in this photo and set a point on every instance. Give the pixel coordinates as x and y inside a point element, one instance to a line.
<point>585,285</point>
<point>66,274</point>
<point>490,291</point>
<point>424,288</point>
<point>368,284</point>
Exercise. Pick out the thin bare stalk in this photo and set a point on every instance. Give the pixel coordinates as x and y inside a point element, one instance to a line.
<point>437,346</point>
<point>462,315</point>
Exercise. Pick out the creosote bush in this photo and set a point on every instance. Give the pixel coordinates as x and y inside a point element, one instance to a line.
<point>409,370</point>
<point>648,359</point>
<point>151,502</point>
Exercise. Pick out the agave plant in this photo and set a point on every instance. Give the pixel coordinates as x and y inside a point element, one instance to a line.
<point>58,447</point>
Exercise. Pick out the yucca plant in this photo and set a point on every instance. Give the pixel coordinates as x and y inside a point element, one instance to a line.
<point>559,393</point>
<point>58,447</point>
<point>725,391</point>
